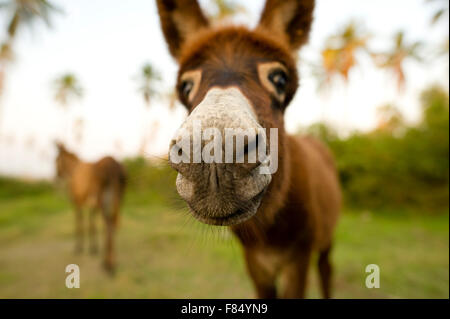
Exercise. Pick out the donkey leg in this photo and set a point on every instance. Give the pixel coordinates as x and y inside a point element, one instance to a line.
<point>325,272</point>
<point>93,249</point>
<point>79,230</point>
<point>296,274</point>
<point>109,261</point>
<point>263,278</point>
<point>110,213</point>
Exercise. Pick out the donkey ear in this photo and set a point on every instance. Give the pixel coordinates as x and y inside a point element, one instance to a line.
<point>290,19</point>
<point>59,145</point>
<point>180,19</point>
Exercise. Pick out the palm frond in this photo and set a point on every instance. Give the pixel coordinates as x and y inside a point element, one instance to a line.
<point>67,87</point>
<point>25,12</point>
<point>147,78</point>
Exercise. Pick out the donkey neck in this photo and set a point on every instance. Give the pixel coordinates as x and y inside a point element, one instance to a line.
<point>71,162</point>
<point>254,230</point>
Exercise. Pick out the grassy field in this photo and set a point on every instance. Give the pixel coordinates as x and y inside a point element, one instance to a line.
<point>164,253</point>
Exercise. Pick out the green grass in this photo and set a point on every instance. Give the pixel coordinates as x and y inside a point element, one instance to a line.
<point>164,253</point>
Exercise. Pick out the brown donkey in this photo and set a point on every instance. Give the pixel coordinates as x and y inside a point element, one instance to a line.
<point>233,77</point>
<point>94,186</point>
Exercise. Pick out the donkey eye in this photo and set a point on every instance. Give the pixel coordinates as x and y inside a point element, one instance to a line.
<point>186,87</point>
<point>279,79</point>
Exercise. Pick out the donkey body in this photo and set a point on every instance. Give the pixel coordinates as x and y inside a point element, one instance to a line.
<point>95,187</point>
<point>233,77</point>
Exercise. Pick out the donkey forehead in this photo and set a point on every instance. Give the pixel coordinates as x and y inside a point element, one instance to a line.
<point>233,49</point>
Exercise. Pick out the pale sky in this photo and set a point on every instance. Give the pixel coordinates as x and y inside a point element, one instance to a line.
<point>105,43</point>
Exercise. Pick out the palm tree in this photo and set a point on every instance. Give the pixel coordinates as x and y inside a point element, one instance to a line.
<point>26,12</point>
<point>441,12</point>
<point>67,88</point>
<point>339,54</point>
<point>147,78</point>
<point>394,59</point>
<point>339,58</point>
<point>22,12</point>
<point>6,56</point>
<point>225,9</point>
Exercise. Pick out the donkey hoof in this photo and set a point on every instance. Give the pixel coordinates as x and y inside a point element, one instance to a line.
<point>110,268</point>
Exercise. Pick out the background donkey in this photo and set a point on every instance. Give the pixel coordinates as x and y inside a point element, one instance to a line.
<point>233,77</point>
<point>94,186</point>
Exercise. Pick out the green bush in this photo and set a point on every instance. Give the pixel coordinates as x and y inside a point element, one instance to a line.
<point>397,165</point>
<point>149,182</point>
<point>12,188</point>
